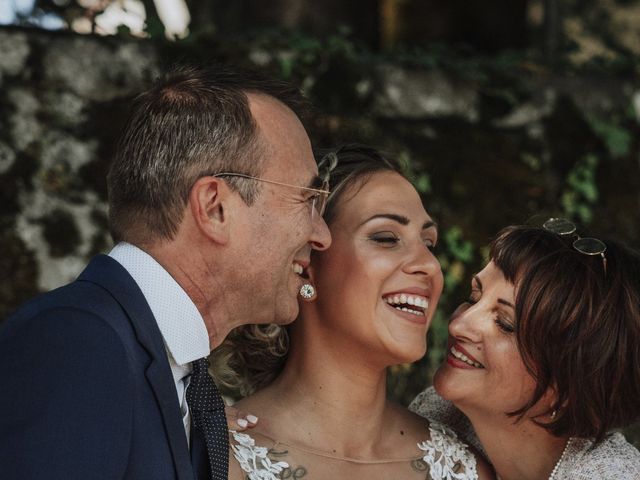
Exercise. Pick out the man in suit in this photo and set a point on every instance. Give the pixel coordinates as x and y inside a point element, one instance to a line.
<point>215,203</point>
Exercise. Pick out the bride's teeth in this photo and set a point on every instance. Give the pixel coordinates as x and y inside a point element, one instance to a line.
<point>403,302</point>
<point>408,310</point>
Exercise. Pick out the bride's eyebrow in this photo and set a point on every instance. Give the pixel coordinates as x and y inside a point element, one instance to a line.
<point>401,219</point>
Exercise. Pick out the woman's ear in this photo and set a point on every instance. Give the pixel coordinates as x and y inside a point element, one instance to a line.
<point>550,398</point>
<point>209,202</point>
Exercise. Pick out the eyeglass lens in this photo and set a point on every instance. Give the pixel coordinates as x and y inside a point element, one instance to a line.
<point>559,226</point>
<point>589,246</point>
<point>319,204</point>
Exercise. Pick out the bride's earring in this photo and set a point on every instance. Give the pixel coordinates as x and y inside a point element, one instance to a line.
<point>307,291</point>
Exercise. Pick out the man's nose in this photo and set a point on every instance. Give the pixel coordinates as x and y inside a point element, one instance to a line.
<point>320,234</point>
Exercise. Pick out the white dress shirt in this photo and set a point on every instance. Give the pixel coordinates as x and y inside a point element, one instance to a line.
<point>181,325</point>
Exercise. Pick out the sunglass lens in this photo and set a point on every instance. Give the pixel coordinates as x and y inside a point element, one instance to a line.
<point>590,246</point>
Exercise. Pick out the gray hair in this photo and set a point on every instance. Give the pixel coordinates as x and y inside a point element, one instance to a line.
<point>193,122</point>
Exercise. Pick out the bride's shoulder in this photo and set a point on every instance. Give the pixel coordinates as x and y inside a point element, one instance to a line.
<point>442,452</point>
<point>257,400</point>
<point>452,458</point>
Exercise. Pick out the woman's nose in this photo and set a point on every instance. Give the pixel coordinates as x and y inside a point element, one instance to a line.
<point>466,322</point>
<point>423,261</point>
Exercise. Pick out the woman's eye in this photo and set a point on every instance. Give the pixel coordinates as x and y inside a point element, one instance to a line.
<point>504,324</point>
<point>385,238</point>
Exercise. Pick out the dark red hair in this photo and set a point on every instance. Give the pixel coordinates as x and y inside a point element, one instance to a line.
<point>577,328</point>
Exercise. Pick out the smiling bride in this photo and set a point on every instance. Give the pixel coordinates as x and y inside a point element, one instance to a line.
<point>318,385</point>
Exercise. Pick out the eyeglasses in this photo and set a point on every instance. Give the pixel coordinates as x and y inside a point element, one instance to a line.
<point>585,245</point>
<point>318,201</point>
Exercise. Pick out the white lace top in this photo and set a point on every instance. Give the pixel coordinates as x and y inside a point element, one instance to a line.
<point>443,455</point>
<point>612,459</point>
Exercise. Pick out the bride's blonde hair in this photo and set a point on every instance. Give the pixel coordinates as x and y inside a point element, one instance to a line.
<point>252,356</point>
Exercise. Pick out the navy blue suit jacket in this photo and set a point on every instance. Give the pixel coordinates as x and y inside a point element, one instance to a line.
<point>87,389</point>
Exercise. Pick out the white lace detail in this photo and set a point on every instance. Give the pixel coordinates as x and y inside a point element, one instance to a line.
<point>444,454</point>
<point>254,460</point>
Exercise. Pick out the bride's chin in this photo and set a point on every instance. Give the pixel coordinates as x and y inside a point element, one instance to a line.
<point>404,356</point>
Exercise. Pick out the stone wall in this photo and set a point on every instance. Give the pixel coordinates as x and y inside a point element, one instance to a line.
<point>486,146</point>
<point>63,98</point>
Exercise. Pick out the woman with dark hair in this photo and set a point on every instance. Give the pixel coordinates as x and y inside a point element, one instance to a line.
<point>320,383</point>
<point>544,357</point>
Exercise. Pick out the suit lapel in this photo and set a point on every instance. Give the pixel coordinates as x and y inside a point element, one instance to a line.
<point>109,274</point>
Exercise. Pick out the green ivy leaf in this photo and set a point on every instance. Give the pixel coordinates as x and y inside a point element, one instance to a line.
<point>423,183</point>
<point>617,138</point>
<point>459,248</point>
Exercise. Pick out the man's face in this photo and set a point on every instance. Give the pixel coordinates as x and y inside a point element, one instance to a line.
<point>279,233</point>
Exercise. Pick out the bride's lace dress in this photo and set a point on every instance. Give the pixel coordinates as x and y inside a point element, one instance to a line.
<point>441,456</point>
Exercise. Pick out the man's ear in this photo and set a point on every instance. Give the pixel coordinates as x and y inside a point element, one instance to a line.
<point>209,202</point>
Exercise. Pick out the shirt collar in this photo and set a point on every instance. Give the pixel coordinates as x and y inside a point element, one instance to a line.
<point>180,323</point>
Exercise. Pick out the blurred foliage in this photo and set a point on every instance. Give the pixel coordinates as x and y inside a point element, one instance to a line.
<point>613,133</point>
<point>594,35</point>
<point>581,192</point>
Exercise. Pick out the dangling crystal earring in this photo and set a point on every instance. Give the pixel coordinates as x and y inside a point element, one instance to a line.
<point>307,291</point>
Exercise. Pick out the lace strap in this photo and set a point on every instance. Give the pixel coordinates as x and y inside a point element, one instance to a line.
<point>448,458</point>
<point>254,460</point>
